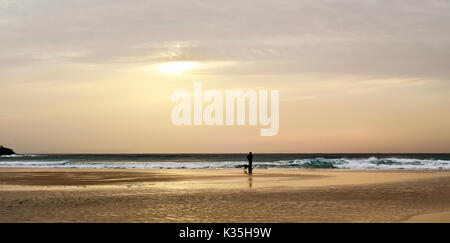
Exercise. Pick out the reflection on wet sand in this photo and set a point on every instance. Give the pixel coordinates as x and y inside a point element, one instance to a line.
<point>221,195</point>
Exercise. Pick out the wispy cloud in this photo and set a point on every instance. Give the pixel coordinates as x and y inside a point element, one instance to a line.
<point>385,38</point>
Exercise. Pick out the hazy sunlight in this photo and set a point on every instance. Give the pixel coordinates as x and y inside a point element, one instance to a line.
<point>176,67</point>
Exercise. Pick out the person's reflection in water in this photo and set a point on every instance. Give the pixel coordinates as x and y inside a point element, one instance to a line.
<point>250,182</point>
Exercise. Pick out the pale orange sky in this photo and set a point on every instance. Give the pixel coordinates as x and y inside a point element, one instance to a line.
<point>354,76</point>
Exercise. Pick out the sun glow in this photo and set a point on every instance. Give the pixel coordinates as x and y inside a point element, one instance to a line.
<point>176,67</point>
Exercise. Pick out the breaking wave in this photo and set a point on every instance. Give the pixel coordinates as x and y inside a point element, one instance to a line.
<point>20,156</point>
<point>371,163</point>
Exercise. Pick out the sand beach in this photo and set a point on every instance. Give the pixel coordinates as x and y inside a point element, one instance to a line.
<point>222,195</point>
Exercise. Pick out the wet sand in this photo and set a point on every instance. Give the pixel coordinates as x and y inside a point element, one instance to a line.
<point>223,195</point>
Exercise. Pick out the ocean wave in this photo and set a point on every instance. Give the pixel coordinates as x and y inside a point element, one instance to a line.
<point>21,156</point>
<point>371,163</point>
<point>121,165</point>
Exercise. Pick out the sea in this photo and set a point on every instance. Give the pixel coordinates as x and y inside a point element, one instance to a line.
<point>369,161</point>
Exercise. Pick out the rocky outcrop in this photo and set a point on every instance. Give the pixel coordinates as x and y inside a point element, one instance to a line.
<point>6,151</point>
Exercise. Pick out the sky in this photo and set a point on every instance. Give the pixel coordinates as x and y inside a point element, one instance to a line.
<point>96,76</point>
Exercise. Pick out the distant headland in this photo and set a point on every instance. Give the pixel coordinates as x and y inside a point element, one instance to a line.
<point>6,151</point>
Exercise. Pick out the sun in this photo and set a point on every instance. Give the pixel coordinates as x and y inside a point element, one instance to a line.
<point>176,67</point>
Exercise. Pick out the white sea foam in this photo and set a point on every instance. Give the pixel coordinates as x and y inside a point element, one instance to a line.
<point>340,163</point>
<point>119,165</point>
<point>20,155</point>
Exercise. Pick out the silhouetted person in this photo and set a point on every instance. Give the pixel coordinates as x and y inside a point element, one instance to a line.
<point>250,161</point>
